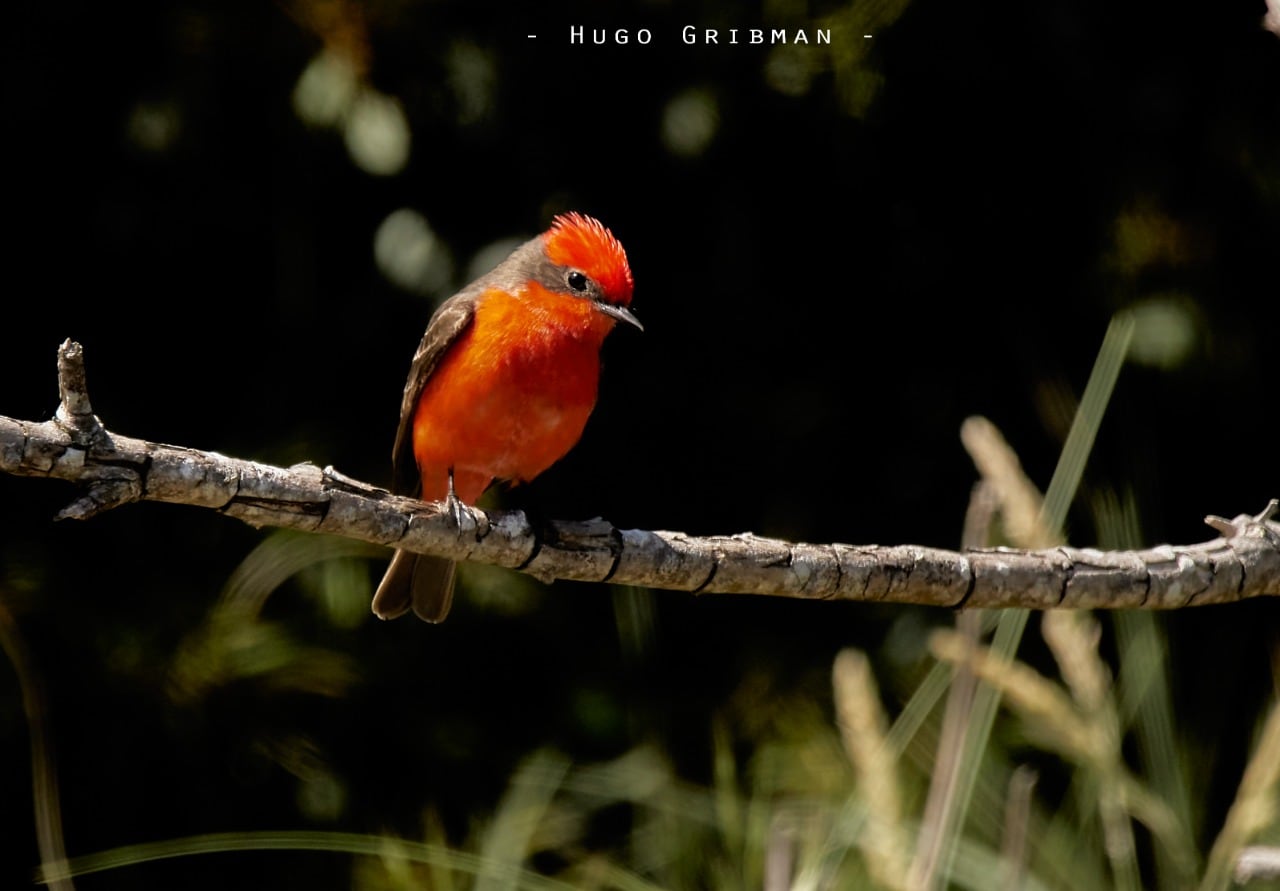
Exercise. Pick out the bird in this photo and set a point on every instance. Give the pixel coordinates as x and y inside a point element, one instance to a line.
<point>501,386</point>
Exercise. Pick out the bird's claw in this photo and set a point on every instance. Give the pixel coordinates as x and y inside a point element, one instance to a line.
<point>463,516</point>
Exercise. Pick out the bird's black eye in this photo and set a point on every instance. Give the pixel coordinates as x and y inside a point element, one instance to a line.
<point>577,281</point>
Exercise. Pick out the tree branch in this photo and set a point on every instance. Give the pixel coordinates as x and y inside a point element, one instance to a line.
<point>115,470</point>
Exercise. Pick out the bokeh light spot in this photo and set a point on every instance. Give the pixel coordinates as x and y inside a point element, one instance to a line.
<point>325,91</point>
<point>789,70</point>
<point>474,79</point>
<point>410,254</point>
<point>154,126</point>
<point>1165,331</point>
<point>377,133</point>
<point>321,796</point>
<point>690,122</point>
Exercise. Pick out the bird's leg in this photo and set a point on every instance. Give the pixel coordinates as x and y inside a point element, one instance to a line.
<point>461,513</point>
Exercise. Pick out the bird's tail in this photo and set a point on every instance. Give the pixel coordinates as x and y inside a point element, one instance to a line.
<point>418,582</point>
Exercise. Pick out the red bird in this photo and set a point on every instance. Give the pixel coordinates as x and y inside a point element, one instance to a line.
<point>502,385</point>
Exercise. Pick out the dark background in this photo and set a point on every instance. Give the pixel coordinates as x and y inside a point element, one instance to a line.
<point>829,285</point>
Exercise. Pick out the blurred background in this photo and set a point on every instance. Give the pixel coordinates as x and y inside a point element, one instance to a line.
<point>247,213</point>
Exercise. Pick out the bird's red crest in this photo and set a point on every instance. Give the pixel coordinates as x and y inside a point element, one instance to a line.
<point>584,243</point>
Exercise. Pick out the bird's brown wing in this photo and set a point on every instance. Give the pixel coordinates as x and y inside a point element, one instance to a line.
<point>422,583</point>
<point>447,325</point>
<point>414,581</point>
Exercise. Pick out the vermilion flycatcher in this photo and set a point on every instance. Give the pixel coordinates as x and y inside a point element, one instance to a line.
<point>502,385</point>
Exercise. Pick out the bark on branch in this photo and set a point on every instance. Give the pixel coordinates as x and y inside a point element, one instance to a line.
<point>113,470</point>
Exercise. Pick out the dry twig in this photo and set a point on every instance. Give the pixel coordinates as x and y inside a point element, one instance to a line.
<point>115,470</point>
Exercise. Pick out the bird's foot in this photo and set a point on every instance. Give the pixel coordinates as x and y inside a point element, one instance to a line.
<point>463,516</point>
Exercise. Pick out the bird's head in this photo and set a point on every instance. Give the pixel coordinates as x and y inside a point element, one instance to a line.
<point>592,264</point>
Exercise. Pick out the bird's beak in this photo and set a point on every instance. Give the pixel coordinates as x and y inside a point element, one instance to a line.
<point>621,313</point>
